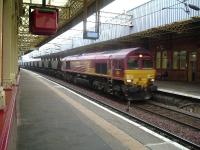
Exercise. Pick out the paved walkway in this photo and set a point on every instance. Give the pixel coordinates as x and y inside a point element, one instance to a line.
<point>180,88</point>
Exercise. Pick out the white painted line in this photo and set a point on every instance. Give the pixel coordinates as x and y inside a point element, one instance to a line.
<point>121,117</point>
<point>57,86</point>
<point>155,144</point>
<point>179,93</point>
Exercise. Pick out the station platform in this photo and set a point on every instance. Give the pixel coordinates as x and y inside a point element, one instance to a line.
<point>53,117</point>
<point>180,88</point>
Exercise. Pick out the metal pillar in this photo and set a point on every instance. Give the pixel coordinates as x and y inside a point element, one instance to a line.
<point>1,40</point>
<point>9,43</point>
<point>13,36</point>
<point>97,17</point>
<point>6,42</point>
<point>85,16</point>
<point>15,44</point>
<point>43,3</point>
<point>2,93</point>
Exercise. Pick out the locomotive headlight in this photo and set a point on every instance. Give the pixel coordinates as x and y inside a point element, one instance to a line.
<point>152,80</point>
<point>128,80</point>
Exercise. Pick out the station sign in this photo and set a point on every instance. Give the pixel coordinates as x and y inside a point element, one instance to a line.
<point>43,20</point>
<point>92,35</point>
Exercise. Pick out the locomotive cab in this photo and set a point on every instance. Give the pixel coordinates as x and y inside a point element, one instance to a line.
<point>139,76</point>
<point>140,71</point>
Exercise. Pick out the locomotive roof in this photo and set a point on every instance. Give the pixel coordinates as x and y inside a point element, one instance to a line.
<point>120,54</point>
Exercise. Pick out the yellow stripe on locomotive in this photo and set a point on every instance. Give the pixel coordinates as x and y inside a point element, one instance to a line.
<point>140,77</point>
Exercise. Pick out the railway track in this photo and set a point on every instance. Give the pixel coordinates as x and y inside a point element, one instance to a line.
<point>122,107</point>
<point>175,115</point>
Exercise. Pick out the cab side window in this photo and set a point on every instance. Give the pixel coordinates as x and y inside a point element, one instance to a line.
<point>68,65</point>
<point>118,64</point>
<point>101,68</point>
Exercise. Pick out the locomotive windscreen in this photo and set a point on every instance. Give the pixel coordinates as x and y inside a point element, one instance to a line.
<point>147,64</point>
<point>133,63</point>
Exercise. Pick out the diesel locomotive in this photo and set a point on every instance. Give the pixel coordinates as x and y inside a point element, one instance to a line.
<point>127,73</point>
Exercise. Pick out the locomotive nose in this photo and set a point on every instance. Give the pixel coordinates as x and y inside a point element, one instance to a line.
<point>142,78</point>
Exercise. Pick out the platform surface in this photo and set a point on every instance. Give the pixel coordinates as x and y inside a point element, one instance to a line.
<point>54,118</point>
<point>180,88</point>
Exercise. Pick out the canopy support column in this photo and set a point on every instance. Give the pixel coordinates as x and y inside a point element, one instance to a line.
<point>9,44</point>
<point>2,93</point>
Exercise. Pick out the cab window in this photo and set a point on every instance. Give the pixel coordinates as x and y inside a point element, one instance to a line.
<point>147,64</point>
<point>118,64</point>
<point>133,64</point>
<point>67,64</point>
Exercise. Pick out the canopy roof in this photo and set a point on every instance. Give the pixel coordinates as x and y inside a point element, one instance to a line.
<point>70,14</point>
<point>117,54</point>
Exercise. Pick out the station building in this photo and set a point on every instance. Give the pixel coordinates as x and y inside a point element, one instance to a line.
<point>177,59</point>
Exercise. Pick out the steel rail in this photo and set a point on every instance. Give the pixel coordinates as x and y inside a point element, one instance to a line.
<point>154,111</point>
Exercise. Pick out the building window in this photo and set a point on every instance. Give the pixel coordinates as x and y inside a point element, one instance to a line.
<point>175,59</point>
<point>164,60</point>
<point>179,60</point>
<point>158,60</point>
<point>183,59</point>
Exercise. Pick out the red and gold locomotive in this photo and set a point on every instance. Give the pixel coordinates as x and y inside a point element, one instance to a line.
<point>124,72</point>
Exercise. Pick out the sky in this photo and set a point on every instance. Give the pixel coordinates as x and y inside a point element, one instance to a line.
<point>117,6</point>
<point>120,6</point>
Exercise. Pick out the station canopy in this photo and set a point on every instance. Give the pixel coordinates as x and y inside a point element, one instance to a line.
<point>69,10</point>
<point>62,3</point>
